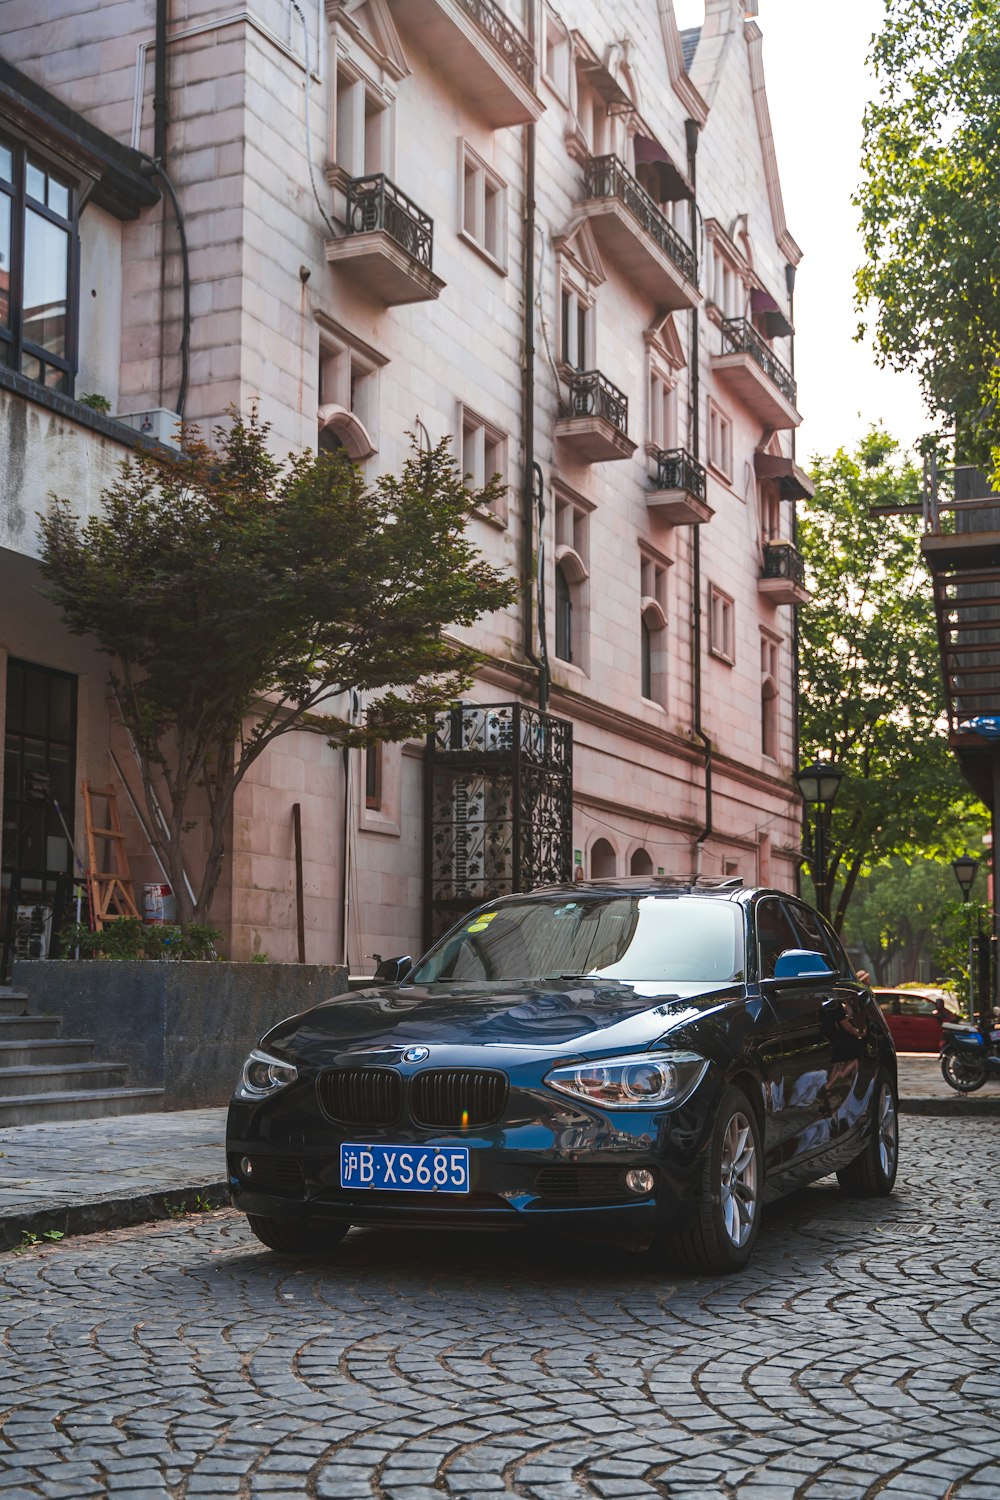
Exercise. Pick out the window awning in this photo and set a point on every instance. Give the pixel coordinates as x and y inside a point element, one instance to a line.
<point>673,183</point>
<point>763,305</point>
<point>792,481</point>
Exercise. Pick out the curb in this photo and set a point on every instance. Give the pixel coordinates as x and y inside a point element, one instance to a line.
<point>968,1105</point>
<point>110,1213</point>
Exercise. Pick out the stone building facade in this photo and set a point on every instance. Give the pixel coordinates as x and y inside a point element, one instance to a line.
<point>556,235</point>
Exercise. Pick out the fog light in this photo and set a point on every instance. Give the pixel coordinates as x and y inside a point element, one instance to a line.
<point>638,1180</point>
<point>246,1166</point>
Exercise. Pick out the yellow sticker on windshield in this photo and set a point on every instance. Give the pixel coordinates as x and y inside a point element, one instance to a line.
<point>482,922</point>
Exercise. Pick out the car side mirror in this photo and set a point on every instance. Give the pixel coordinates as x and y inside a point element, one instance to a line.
<point>391,970</point>
<point>802,963</point>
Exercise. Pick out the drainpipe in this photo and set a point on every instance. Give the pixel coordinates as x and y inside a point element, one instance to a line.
<point>160,100</point>
<point>691,128</point>
<point>790,285</point>
<point>532,486</point>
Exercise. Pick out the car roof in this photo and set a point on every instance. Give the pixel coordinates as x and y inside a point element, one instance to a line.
<point>729,888</point>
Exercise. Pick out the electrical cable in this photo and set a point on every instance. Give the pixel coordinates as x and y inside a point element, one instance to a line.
<point>309,160</point>
<point>153,165</point>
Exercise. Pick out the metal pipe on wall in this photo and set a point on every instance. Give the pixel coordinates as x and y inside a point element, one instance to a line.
<point>691,129</point>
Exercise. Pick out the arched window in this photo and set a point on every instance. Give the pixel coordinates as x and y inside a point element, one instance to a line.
<point>603,861</point>
<point>647,658</point>
<point>641,863</point>
<point>564,615</point>
<point>769,718</point>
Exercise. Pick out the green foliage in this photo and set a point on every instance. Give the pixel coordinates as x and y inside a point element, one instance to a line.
<point>95,401</point>
<point>240,598</point>
<point>930,208</point>
<point>30,1241</point>
<point>871,697</point>
<point>128,938</point>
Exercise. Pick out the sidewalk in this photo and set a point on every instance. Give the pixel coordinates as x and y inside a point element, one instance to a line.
<point>78,1176</point>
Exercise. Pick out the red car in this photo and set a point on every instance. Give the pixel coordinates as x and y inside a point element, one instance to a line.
<point>914,1017</point>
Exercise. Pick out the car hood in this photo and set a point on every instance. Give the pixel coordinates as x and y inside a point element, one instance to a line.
<point>547,1016</point>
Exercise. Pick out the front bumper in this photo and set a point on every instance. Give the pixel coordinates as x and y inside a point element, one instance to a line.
<point>547,1163</point>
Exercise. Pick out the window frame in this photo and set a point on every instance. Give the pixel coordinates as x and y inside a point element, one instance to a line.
<point>770,695</point>
<point>485,178</point>
<point>13,345</point>
<point>720,425</point>
<point>721,637</point>
<point>486,436</point>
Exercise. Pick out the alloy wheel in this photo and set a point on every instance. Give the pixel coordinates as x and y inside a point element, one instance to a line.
<point>888,1131</point>
<point>738,1184</point>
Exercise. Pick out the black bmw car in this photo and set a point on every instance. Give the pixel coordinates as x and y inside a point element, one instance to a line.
<point>633,1057</point>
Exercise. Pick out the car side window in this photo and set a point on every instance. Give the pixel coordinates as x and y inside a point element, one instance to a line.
<point>775,933</point>
<point>812,936</point>
<point>841,962</point>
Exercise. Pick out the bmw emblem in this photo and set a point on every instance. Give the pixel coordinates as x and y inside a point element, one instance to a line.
<point>416,1054</point>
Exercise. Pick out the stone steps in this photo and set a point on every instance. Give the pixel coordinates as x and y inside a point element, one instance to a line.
<point>61,1078</point>
<point>45,1076</point>
<point>89,1104</point>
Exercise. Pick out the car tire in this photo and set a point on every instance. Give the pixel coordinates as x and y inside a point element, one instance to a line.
<point>289,1238</point>
<point>873,1173</point>
<point>962,1073</point>
<point>721,1235</point>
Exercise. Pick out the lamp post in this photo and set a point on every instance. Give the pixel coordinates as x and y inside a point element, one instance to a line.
<point>965,868</point>
<point>818,786</point>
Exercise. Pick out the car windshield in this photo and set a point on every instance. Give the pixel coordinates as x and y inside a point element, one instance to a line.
<point>639,939</point>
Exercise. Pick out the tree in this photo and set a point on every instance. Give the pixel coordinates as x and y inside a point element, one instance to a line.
<point>870,692</point>
<point>930,209</point>
<point>238,597</point>
<point>907,910</point>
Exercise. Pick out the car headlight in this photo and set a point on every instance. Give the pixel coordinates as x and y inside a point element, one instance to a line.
<point>264,1075</point>
<point>647,1080</point>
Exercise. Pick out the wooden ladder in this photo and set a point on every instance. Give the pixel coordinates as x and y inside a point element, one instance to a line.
<point>111,893</point>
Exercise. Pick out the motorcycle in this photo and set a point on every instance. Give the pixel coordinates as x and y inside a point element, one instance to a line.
<point>969,1057</point>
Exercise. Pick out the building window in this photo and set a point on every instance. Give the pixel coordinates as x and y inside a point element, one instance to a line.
<point>575,327</point>
<point>363,141</point>
<point>720,441</point>
<point>641,863</point>
<point>770,650</point>
<point>770,512</point>
<point>572,579</point>
<point>484,454</point>
<point>38,270</point>
<point>603,861</point>
<point>725,285</point>
<point>556,54</point>
<point>373,776</point>
<point>348,400</point>
<point>653,629</point>
<point>721,625</point>
<point>593,120</point>
<point>662,409</point>
<point>484,207</point>
<point>564,615</point>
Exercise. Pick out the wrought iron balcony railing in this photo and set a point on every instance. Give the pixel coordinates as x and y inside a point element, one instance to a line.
<point>514,48</point>
<point>606,177</point>
<point>591,394</point>
<point>782,560</point>
<point>739,336</point>
<point>376,203</point>
<point>677,470</point>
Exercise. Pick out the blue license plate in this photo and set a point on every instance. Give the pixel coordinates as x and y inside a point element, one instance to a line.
<point>405,1169</point>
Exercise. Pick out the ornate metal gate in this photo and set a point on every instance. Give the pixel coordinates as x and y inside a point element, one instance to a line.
<point>498,807</point>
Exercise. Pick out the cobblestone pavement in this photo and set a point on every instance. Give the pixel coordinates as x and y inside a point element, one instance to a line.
<point>857,1356</point>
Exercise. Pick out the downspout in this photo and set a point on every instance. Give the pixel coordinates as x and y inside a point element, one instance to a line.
<point>532,485</point>
<point>161,102</point>
<point>160,99</point>
<point>691,128</point>
<point>790,285</point>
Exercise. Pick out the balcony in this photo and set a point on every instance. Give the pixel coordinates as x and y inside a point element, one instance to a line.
<point>593,427</point>
<point>388,243</point>
<point>678,491</point>
<point>750,369</point>
<point>783,576</point>
<point>636,235</point>
<point>481,54</point>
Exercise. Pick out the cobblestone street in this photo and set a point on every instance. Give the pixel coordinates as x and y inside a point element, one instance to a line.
<point>857,1356</point>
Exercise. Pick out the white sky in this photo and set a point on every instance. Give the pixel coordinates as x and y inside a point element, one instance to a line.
<point>817,86</point>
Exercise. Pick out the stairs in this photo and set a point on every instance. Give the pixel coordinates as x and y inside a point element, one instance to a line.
<point>45,1076</point>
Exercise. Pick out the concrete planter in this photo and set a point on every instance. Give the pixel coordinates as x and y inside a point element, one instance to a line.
<point>183,1027</point>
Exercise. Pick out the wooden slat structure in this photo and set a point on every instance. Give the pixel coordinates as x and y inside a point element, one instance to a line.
<point>109,880</point>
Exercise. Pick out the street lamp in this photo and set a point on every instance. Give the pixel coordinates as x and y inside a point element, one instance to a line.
<point>818,786</point>
<point>965,868</point>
